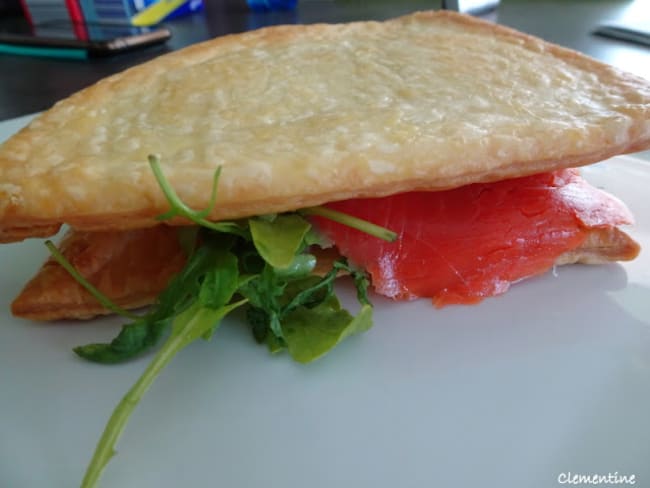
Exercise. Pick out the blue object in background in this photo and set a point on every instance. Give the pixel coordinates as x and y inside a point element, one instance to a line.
<point>268,5</point>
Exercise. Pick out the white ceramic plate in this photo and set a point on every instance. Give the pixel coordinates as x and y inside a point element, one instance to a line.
<point>551,378</point>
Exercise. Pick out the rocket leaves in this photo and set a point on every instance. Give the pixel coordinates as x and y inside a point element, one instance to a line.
<point>310,333</point>
<point>256,258</point>
<point>214,275</point>
<point>194,322</point>
<point>289,308</point>
<point>279,239</point>
<point>145,331</point>
<point>261,263</point>
<point>310,319</point>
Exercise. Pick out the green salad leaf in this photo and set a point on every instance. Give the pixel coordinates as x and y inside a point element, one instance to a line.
<point>146,331</point>
<point>179,209</point>
<point>309,333</point>
<point>311,319</point>
<point>351,221</point>
<point>194,322</point>
<point>279,240</point>
<point>261,263</point>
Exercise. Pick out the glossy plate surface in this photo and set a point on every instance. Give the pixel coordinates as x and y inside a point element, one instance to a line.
<point>551,378</point>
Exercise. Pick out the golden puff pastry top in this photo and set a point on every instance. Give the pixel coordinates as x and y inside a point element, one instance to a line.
<point>301,115</point>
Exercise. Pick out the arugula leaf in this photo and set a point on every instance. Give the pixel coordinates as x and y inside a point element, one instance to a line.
<point>179,209</point>
<point>278,240</point>
<point>301,267</point>
<point>351,221</point>
<point>273,300</point>
<point>183,289</point>
<point>258,319</point>
<point>261,259</point>
<point>360,278</point>
<point>220,282</point>
<point>196,321</point>
<point>274,343</point>
<point>309,292</point>
<point>309,333</point>
<point>185,286</point>
<point>219,285</point>
<point>264,292</point>
<point>309,303</point>
<point>274,293</point>
<point>133,339</point>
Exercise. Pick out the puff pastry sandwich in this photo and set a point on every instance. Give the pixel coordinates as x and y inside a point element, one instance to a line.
<point>431,156</point>
<point>327,115</point>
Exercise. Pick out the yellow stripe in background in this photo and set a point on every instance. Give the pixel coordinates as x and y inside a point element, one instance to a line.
<point>156,12</point>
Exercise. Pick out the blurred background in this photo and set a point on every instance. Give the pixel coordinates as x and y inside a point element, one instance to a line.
<point>33,82</point>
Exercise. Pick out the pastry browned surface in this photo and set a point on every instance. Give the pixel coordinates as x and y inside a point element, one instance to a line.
<point>302,115</point>
<point>133,267</point>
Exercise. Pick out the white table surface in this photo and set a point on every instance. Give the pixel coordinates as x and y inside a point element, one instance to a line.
<point>551,378</point>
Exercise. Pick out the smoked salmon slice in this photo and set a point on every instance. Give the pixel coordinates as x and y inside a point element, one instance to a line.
<point>466,244</point>
<point>456,246</point>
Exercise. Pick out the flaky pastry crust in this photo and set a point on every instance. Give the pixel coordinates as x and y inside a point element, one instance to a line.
<point>133,267</point>
<point>301,115</point>
<point>130,267</point>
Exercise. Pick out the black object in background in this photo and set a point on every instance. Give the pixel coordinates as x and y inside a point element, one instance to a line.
<point>10,7</point>
<point>92,40</point>
<point>636,32</point>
